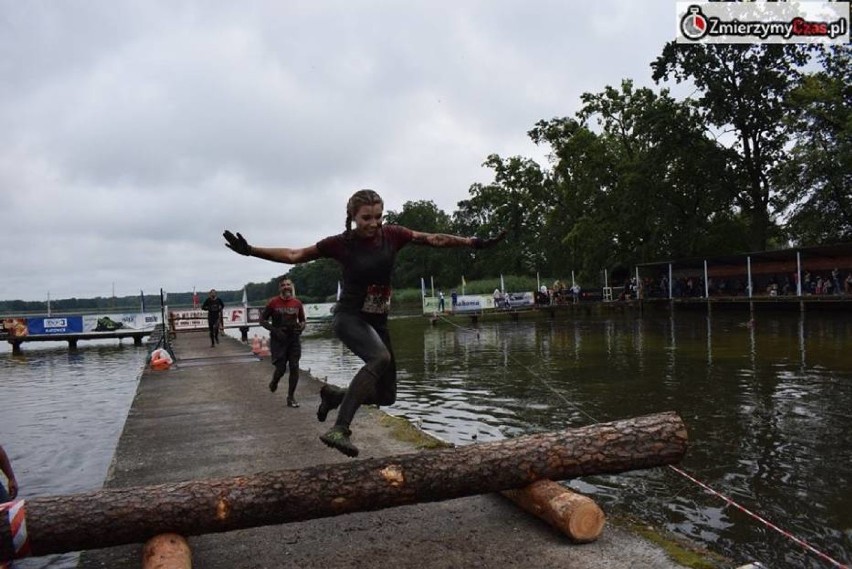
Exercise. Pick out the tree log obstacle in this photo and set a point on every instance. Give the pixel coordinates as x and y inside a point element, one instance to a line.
<point>106,518</point>
<point>577,516</point>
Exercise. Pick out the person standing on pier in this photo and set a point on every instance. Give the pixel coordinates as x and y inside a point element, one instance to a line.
<point>284,317</point>
<point>214,307</point>
<point>366,253</point>
<point>6,467</point>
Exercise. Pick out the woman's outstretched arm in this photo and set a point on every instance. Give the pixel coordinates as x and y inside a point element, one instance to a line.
<point>445,240</point>
<point>238,244</point>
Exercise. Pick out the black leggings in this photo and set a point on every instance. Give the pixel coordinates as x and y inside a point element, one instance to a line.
<point>375,383</point>
<point>287,354</point>
<point>213,327</point>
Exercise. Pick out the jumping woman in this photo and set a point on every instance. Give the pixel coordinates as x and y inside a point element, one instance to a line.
<point>366,254</point>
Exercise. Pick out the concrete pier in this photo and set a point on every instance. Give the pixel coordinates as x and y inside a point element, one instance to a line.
<point>213,416</point>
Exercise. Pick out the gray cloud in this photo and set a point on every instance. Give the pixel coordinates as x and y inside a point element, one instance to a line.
<point>133,133</point>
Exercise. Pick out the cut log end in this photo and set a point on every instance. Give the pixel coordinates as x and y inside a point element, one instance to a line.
<point>166,551</point>
<point>586,523</point>
<point>575,515</point>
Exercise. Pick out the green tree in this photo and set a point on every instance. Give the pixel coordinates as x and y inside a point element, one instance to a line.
<point>646,183</point>
<point>743,89</point>
<point>514,201</point>
<point>817,179</point>
<point>415,262</point>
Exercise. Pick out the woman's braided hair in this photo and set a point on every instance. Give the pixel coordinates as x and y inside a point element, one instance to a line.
<point>359,199</point>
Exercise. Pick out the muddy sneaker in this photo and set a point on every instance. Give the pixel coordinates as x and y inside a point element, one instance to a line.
<point>330,399</point>
<point>291,402</point>
<point>273,385</point>
<point>338,438</point>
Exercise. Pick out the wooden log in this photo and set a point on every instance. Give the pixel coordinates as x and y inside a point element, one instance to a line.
<point>112,517</point>
<point>166,551</point>
<point>577,516</point>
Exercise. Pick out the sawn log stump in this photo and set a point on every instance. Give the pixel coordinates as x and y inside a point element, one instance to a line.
<point>575,515</point>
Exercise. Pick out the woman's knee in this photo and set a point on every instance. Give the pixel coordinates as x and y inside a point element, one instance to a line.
<point>380,362</point>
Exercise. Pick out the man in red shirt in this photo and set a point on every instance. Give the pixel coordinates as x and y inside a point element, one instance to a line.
<point>284,317</point>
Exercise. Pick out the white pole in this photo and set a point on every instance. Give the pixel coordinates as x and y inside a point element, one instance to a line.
<point>706,284</point>
<point>638,284</point>
<point>798,273</point>
<point>572,279</point>
<point>670,281</point>
<point>48,303</point>
<point>432,280</point>
<point>749,276</point>
<point>537,282</point>
<point>605,282</point>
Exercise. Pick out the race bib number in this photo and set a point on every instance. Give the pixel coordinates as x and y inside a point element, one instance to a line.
<point>377,300</point>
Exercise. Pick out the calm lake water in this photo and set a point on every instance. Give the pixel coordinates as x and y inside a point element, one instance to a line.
<point>768,405</point>
<point>63,416</point>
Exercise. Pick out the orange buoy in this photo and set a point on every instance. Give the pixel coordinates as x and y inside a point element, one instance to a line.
<point>161,359</point>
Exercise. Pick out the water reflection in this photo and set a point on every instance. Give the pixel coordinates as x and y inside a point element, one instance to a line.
<point>768,427</point>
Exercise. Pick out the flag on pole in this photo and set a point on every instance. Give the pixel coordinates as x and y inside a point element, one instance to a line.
<point>194,298</point>
<point>422,287</point>
<point>245,298</point>
<point>48,303</point>
<point>338,290</point>
<point>502,284</point>
<point>142,301</point>
<point>464,284</point>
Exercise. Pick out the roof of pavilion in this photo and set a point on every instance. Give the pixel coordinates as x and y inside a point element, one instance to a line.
<point>840,253</point>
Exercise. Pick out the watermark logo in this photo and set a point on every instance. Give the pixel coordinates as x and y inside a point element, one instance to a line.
<point>763,22</point>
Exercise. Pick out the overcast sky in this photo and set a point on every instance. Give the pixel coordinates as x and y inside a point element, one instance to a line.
<point>133,133</point>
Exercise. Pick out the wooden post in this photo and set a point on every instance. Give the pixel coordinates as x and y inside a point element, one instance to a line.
<point>106,518</point>
<point>166,551</point>
<point>577,516</point>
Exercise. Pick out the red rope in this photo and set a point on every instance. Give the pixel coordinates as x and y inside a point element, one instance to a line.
<point>769,524</point>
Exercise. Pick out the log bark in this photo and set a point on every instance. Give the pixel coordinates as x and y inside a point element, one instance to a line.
<point>577,516</point>
<point>112,517</point>
<point>166,551</point>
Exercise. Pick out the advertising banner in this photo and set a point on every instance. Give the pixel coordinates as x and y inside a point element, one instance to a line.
<point>54,325</point>
<point>430,305</point>
<point>188,319</point>
<point>319,311</point>
<point>197,319</point>
<point>233,317</point>
<point>470,303</point>
<point>13,327</point>
<point>135,321</point>
<point>520,299</point>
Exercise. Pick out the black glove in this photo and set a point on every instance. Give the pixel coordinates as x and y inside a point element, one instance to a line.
<point>237,243</point>
<point>480,243</point>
